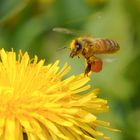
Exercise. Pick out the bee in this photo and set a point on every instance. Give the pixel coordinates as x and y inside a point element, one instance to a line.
<point>91,49</point>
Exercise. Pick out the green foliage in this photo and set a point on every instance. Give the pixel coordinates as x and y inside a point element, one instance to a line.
<point>28,25</point>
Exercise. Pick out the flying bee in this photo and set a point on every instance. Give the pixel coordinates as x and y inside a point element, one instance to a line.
<point>91,49</point>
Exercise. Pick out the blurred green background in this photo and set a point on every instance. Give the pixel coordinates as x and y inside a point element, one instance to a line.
<point>28,24</point>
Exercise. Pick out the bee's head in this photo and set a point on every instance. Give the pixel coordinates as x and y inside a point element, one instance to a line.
<point>76,47</point>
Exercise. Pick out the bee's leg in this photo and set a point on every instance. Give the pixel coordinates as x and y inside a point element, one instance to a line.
<point>91,59</point>
<point>88,69</point>
<point>89,62</point>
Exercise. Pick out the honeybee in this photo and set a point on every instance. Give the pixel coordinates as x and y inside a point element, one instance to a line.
<point>91,49</point>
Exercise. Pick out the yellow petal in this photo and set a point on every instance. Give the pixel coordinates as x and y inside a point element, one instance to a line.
<point>13,130</point>
<point>51,126</point>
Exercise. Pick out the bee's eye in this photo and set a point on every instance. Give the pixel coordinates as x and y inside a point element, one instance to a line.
<point>78,46</point>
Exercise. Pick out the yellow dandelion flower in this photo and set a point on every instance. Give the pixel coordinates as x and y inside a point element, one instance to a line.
<point>36,103</point>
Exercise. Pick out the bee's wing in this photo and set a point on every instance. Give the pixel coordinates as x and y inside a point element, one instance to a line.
<point>64,30</point>
<point>110,60</point>
<point>68,31</point>
<point>107,58</point>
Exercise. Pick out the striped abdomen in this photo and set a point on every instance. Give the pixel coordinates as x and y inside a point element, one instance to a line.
<point>105,46</point>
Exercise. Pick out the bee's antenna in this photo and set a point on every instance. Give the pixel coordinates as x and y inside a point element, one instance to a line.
<point>59,49</point>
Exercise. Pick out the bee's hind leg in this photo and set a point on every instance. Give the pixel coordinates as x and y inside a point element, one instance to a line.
<point>88,69</point>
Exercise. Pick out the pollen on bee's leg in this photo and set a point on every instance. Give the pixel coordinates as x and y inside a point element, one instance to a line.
<point>96,66</point>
